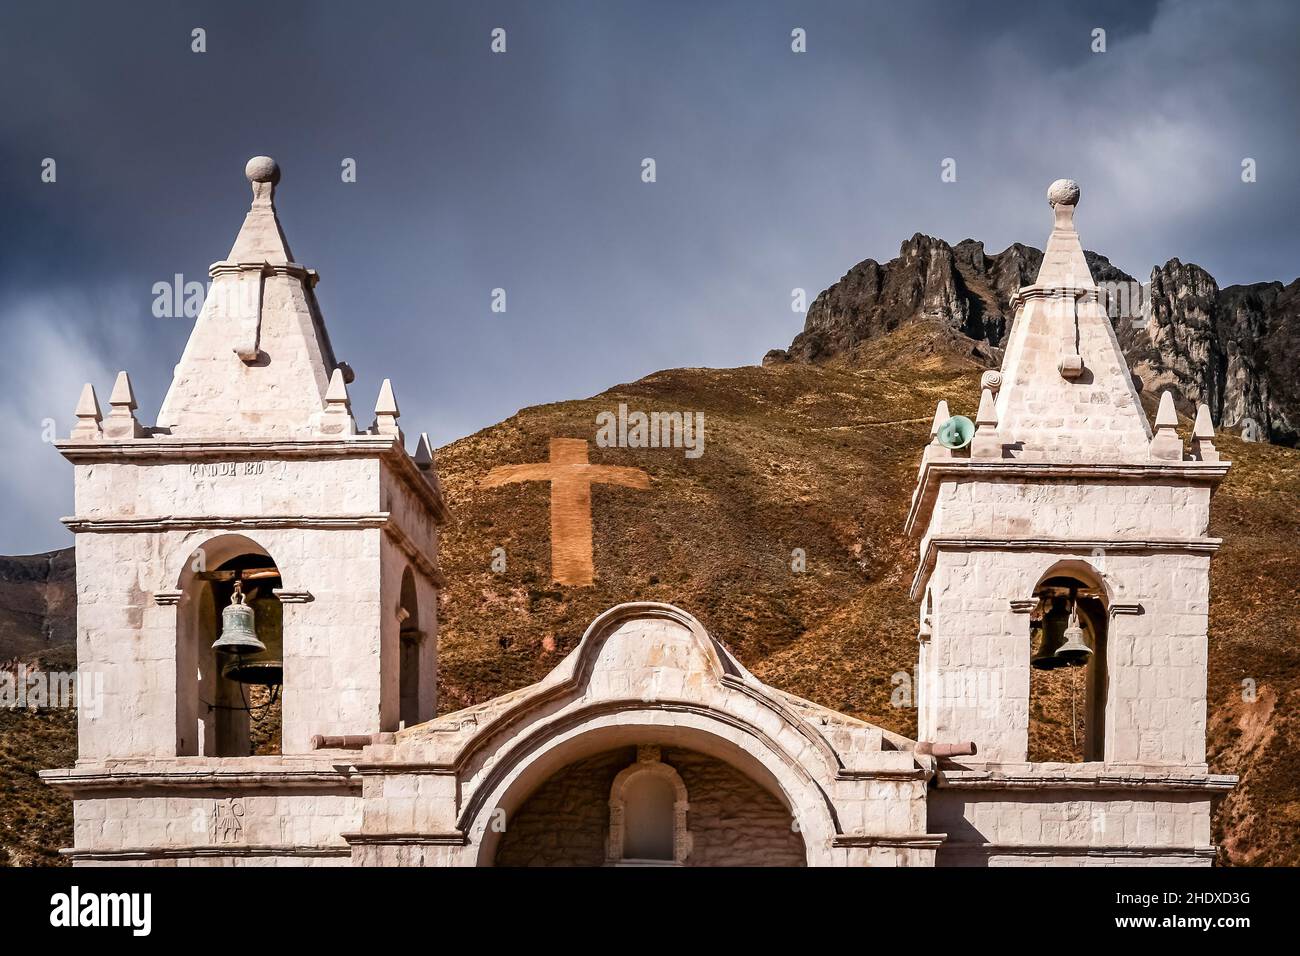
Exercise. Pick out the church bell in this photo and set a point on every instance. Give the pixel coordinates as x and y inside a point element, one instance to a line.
<point>1074,650</point>
<point>238,635</point>
<point>1053,634</point>
<point>255,640</point>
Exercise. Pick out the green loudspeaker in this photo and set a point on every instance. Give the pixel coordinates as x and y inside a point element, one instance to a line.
<point>956,432</point>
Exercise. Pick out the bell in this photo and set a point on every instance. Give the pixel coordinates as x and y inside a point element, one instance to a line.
<point>1054,626</point>
<point>1074,650</point>
<point>265,667</point>
<point>237,633</point>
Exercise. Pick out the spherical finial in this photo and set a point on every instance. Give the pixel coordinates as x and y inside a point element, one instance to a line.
<point>262,169</point>
<point>1064,192</point>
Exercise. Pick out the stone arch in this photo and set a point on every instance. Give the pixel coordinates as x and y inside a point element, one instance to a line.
<point>1067,722</point>
<point>217,716</point>
<point>1084,571</point>
<point>519,770</point>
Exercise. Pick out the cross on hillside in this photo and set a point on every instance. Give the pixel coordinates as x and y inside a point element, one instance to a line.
<point>571,476</point>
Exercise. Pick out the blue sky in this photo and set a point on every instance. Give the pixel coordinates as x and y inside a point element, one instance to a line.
<point>522,171</point>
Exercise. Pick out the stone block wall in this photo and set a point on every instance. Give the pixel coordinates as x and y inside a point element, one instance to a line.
<point>732,820</point>
<point>1071,827</point>
<point>977,684</point>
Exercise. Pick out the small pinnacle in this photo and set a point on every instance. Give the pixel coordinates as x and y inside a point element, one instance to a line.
<point>988,410</point>
<point>387,403</point>
<point>424,452</point>
<point>941,415</point>
<point>88,404</point>
<point>1166,417</point>
<point>123,394</point>
<point>337,393</point>
<point>1204,427</point>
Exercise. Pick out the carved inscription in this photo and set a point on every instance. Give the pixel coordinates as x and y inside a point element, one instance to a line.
<point>227,469</point>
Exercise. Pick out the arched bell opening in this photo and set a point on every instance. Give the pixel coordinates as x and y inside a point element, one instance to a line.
<point>1068,669</point>
<point>230,652</point>
<point>410,641</point>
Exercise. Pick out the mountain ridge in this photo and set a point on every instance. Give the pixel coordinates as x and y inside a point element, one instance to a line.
<point>1234,349</point>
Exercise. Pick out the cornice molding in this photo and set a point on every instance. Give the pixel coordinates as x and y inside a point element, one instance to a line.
<point>157,523</point>
<point>78,782</point>
<point>166,450</point>
<point>1084,780</point>
<point>212,850</point>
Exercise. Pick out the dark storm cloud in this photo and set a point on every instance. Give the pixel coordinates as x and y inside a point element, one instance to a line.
<point>522,171</point>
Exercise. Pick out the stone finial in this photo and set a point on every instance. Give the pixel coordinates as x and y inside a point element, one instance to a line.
<point>1203,435</point>
<point>1063,192</point>
<point>262,169</point>
<point>423,452</point>
<point>424,461</point>
<point>336,418</point>
<point>123,395</point>
<point>88,416</point>
<point>936,449</point>
<point>386,411</point>
<point>941,415</point>
<point>263,174</point>
<point>1165,444</point>
<point>986,443</point>
<point>121,421</point>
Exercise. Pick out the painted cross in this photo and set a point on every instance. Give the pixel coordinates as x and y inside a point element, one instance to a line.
<point>571,476</point>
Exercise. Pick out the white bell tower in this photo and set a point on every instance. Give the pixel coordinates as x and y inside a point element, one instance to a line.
<point>256,472</point>
<point>1064,586</point>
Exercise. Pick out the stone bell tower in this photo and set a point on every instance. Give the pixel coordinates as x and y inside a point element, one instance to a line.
<point>1067,520</point>
<point>255,473</point>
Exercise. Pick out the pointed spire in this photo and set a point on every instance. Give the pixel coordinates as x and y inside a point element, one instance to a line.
<point>987,443</point>
<point>1068,396</point>
<point>386,412</point>
<point>261,239</point>
<point>88,416</point>
<point>1165,444</point>
<point>1203,435</point>
<point>259,360</point>
<point>336,418</point>
<point>121,421</point>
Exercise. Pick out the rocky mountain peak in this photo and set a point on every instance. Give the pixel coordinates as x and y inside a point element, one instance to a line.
<point>1234,349</point>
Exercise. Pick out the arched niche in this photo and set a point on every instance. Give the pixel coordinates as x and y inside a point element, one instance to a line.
<point>648,813</point>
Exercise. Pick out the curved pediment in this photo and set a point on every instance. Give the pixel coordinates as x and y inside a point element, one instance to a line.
<point>631,656</point>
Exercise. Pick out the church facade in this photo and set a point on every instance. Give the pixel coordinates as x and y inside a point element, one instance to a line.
<point>258,582</point>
